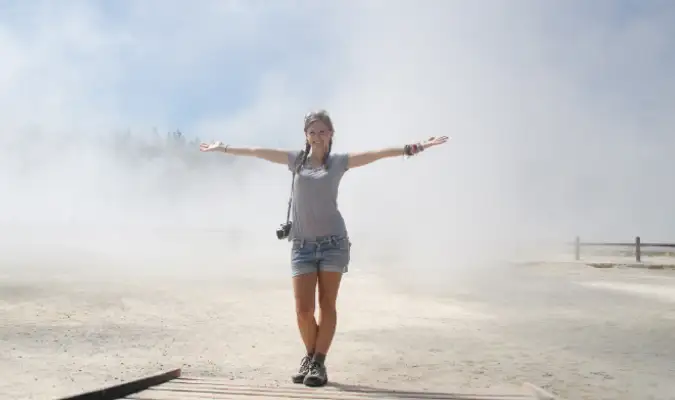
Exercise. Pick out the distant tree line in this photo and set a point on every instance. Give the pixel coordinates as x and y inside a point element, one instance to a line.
<point>172,146</point>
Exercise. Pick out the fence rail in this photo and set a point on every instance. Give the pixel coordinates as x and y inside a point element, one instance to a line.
<point>637,245</point>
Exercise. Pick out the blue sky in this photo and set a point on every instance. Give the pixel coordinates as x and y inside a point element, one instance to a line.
<point>556,108</point>
<point>165,60</point>
<point>178,64</point>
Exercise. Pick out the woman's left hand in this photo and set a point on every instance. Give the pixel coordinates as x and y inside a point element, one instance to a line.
<point>435,141</point>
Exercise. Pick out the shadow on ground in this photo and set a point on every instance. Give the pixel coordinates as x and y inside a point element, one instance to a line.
<point>373,392</point>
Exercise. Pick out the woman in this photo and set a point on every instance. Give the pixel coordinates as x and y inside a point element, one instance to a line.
<point>321,247</point>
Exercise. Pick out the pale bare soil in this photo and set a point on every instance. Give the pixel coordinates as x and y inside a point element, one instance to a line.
<point>581,332</point>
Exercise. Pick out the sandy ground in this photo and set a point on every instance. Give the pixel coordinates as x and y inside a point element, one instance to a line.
<point>581,332</point>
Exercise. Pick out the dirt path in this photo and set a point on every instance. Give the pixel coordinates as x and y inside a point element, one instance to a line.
<point>59,335</point>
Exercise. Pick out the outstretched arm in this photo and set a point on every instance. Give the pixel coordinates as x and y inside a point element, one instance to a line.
<point>360,159</point>
<point>365,158</point>
<point>273,155</point>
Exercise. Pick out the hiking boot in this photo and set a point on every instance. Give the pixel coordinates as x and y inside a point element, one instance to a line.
<point>299,377</point>
<point>317,375</point>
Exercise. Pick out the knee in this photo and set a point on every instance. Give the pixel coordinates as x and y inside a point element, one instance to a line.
<point>304,311</point>
<point>327,307</point>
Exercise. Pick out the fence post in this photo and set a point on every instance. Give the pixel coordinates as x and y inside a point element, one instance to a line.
<point>638,256</point>
<point>577,248</point>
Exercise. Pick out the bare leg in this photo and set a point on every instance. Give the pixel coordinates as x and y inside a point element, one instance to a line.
<point>329,285</point>
<point>304,288</point>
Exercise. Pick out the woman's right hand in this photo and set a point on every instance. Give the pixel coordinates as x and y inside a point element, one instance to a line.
<point>215,146</point>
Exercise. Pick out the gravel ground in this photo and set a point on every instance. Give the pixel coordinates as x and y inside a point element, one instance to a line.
<point>580,332</point>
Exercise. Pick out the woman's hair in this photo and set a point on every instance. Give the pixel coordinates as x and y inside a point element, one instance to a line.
<point>321,115</point>
<point>311,117</point>
<point>305,153</point>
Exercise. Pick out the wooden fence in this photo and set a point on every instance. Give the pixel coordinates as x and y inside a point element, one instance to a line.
<point>637,245</point>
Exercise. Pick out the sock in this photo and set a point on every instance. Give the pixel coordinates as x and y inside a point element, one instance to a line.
<point>310,354</point>
<point>320,358</point>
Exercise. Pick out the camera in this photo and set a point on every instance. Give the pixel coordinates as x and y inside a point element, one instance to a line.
<point>284,230</point>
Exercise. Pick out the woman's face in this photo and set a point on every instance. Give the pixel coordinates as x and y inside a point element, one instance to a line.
<point>318,135</point>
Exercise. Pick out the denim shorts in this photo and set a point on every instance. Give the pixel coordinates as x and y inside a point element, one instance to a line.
<point>325,253</point>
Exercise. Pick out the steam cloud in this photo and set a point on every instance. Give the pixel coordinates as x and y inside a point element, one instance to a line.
<point>560,115</point>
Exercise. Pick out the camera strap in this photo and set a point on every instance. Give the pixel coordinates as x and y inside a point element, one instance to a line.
<point>296,170</point>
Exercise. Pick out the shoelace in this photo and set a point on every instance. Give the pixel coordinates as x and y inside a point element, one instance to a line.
<point>304,364</point>
<point>314,368</point>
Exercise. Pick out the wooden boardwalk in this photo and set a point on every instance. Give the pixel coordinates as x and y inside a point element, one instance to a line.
<point>172,386</point>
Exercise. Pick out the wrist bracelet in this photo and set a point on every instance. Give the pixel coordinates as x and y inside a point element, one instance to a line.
<point>412,149</point>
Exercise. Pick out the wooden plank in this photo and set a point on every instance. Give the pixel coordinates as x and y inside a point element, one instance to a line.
<point>195,380</point>
<point>171,386</point>
<point>186,396</point>
<point>185,385</point>
<point>310,394</point>
<point>126,388</point>
<point>160,395</point>
<point>208,388</point>
<point>538,393</point>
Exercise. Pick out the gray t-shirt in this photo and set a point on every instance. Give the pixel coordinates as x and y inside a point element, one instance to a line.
<point>314,210</point>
